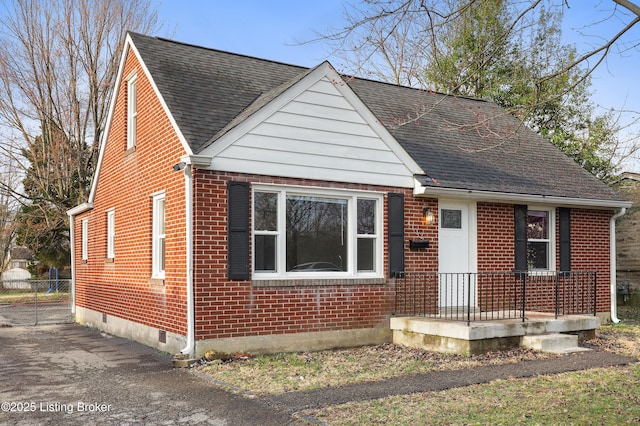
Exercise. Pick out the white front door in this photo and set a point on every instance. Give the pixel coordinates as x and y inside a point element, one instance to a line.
<point>456,259</point>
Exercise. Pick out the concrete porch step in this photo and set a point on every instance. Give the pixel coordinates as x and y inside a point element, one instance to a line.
<point>552,342</point>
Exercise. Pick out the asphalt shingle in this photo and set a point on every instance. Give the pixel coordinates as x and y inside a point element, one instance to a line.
<point>460,143</point>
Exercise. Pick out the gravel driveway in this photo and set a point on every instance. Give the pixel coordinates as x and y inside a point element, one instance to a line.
<point>69,374</point>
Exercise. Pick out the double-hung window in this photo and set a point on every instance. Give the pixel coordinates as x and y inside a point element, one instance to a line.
<point>540,231</point>
<point>85,239</point>
<point>132,109</point>
<point>316,232</point>
<point>158,236</point>
<point>111,234</point>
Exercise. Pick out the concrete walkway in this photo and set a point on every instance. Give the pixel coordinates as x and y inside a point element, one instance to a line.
<point>442,380</point>
<point>68,374</point>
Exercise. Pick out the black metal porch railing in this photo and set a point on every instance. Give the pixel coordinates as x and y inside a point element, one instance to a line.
<point>486,296</point>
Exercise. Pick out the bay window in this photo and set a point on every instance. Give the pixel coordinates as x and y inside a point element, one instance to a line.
<point>316,232</point>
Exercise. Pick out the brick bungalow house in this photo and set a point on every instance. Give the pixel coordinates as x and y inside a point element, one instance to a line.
<point>245,204</point>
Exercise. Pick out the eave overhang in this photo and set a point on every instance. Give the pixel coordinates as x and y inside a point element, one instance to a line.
<point>79,209</point>
<point>421,190</point>
<point>199,161</point>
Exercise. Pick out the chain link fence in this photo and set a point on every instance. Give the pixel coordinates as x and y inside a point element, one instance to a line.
<point>33,302</point>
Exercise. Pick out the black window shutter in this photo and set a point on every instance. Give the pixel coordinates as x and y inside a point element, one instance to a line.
<point>395,220</point>
<point>520,219</point>
<point>565,239</point>
<point>238,230</point>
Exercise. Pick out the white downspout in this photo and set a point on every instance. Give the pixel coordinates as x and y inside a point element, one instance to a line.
<point>612,265</point>
<point>72,222</point>
<point>189,349</point>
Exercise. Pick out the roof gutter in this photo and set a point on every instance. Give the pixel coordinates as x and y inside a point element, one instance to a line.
<point>419,190</point>
<point>612,265</point>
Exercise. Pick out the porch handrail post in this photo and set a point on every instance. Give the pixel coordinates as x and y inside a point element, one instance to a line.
<point>557,302</point>
<point>595,293</point>
<point>524,294</point>
<point>395,296</point>
<point>468,298</point>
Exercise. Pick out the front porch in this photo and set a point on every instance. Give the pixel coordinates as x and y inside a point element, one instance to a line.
<point>541,331</point>
<point>473,313</point>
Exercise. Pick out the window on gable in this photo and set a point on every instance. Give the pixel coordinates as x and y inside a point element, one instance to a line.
<point>158,237</point>
<point>85,239</point>
<point>316,232</point>
<point>539,240</point>
<point>132,110</point>
<point>111,234</point>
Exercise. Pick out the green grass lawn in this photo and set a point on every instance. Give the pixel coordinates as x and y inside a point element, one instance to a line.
<point>608,396</point>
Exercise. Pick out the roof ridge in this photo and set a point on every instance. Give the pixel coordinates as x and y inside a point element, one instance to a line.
<point>341,73</point>
<point>419,89</point>
<point>211,49</point>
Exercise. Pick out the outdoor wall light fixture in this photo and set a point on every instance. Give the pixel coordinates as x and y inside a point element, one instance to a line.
<point>427,216</point>
<point>180,166</point>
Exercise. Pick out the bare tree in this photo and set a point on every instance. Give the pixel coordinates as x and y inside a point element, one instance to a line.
<point>9,206</point>
<point>377,30</point>
<point>58,63</point>
<point>390,49</point>
<point>485,49</point>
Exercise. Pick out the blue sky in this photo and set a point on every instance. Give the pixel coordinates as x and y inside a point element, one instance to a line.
<point>265,29</point>
<point>269,29</point>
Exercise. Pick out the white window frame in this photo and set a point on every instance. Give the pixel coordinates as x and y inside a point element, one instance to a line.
<point>158,256</point>
<point>85,239</point>
<point>352,197</point>
<point>132,109</point>
<point>550,240</point>
<point>111,233</point>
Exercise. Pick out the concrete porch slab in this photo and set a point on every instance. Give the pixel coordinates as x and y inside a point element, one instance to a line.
<point>484,336</point>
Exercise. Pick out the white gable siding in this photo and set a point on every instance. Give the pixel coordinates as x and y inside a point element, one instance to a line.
<point>318,134</point>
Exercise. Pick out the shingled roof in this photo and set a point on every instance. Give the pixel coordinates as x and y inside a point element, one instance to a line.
<point>461,143</point>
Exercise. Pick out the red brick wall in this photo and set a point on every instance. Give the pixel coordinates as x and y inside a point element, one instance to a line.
<point>590,239</point>
<point>127,179</point>
<point>496,241</point>
<point>420,260</point>
<point>238,308</point>
<point>589,250</point>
